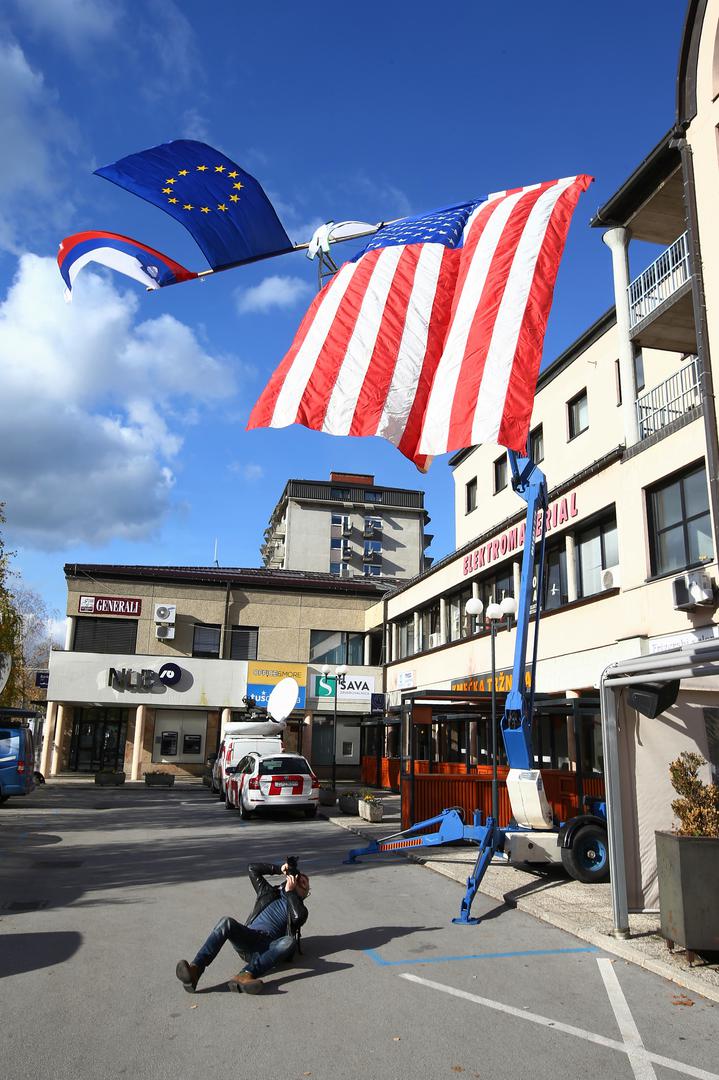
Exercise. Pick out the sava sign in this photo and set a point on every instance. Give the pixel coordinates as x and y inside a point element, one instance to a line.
<point>349,687</point>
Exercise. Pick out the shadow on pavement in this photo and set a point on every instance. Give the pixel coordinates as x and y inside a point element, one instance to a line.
<point>30,952</point>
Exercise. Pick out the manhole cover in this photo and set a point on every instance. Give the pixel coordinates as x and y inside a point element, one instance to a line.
<point>58,864</point>
<point>25,905</point>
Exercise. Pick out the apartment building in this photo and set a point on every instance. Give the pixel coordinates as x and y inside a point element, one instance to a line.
<point>348,526</point>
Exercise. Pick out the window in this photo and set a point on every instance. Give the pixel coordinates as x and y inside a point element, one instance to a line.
<point>711,723</point>
<point>457,622</point>
<point>206,640</point>
<point>347,749</point>
<point>373,570</point>
<point>638,376</point>
<point>428,624</point>
<point>536,444</point>
<point>555,592</point>
<point>373,496</point>
<point>596,549</point>
<point>578,414</point>
<point>244,643</point>
<point>500,474</point>
<point>279,766</point>
<point>342,494</point>
<point>405,637</point>
<point>496,587</point>
<point>336,647</point>
<point>679,523</point>
<point>336,542</point>
<point>470,496</point>
<point>105,635</point>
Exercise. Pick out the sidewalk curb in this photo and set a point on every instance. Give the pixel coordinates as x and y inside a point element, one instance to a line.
<point>616,946</point>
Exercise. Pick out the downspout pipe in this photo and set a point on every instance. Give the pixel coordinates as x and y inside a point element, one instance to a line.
<point>702,331</point>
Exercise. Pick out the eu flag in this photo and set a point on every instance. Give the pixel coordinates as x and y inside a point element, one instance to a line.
<point>222,206</point>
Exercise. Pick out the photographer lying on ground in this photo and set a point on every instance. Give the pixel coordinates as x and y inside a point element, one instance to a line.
<point>272,932</point>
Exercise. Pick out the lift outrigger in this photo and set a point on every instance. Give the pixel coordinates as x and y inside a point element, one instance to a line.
<point>580,844</point>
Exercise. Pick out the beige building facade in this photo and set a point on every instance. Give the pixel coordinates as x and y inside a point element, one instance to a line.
<point>158,660</point>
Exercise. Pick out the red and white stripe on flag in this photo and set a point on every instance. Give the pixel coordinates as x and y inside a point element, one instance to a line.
<point>432,348</point>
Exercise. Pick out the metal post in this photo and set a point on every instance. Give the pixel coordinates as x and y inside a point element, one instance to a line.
<point>495,788</point>
<point>618,879</point>
<point>334,737</point>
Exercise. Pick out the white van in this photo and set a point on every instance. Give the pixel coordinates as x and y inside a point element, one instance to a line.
<point>262,736</point>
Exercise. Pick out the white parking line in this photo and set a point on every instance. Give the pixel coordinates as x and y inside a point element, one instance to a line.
<point>642,1069</point>
<point>568,1029</point>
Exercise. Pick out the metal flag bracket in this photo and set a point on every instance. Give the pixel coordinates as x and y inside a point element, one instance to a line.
<point>332,233</point>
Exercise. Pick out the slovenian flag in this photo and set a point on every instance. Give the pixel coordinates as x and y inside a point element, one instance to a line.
<point>151,268</point>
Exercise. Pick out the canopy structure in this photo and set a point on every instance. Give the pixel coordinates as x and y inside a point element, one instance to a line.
<point>694,661</point>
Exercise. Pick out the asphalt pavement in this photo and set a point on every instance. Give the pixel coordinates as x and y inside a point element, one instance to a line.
<point>102,891</point>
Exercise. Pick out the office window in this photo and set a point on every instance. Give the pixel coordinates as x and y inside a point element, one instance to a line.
<point>596,549</point>
<point>555,578</point>
<point>679,522</point>
<point>336,647</point>
<point>638,376</point>
<point>495,587</point>
<point>429,626</point>
<point>105,635</point>
<point>405,637</point>
<point>457,623</point>
<point>500,474</point>
<point>341,494</point>
<point>578,414</point>
<point>206,640</point>
<point>470,496</point>
<point>243,645</point>
<point>536,444</point>
<point>373,496</point>
<point>373,570</point>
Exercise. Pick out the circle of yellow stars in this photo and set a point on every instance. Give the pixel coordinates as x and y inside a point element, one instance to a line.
<point>222,207</point>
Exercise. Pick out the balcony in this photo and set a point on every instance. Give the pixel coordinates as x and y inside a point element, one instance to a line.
<point>669,400</point>
<point>661,315</point>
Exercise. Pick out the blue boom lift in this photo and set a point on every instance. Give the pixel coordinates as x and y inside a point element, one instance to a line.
<point>533,836</point>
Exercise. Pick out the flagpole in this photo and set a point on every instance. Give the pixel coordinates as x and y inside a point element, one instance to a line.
<point>287,251</point>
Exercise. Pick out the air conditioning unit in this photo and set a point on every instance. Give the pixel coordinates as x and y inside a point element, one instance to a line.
<point>611,578</point>
<point>694,589</point>
<point>165,613</point>
<point>435,640</point>
<point>164,632</point>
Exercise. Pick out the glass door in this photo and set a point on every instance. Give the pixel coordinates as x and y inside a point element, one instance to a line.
<point>98,740</point>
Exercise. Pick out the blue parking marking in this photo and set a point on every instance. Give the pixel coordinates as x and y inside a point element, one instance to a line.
<point>375,956</point>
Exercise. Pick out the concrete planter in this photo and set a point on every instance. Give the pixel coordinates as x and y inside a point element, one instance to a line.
<point>370,811</point>
<point>328,797</point>
<point>159,779</point>
<point>688,874</point>
<point>109,779</point>
<point>348,804</point>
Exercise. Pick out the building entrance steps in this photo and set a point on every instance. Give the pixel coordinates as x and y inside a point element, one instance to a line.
<point>549,895</point>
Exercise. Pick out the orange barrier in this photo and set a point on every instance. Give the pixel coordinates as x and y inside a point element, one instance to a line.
<point>435,791</point>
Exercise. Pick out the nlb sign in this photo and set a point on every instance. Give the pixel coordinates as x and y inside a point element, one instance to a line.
<point>109,605</point>
<point>145,679</point>
<point>349,687</point>
<point>558,513</point>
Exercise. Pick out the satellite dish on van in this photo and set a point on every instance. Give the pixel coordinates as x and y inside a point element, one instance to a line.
<point>283,699</point>
<point>5,665</point>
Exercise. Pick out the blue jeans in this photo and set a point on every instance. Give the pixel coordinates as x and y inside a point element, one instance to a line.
<point>259,950</point>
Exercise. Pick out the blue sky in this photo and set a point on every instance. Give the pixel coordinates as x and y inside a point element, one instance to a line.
<point>123,414</point>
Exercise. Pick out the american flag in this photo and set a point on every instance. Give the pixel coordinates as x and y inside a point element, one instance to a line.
<point>432,337</point>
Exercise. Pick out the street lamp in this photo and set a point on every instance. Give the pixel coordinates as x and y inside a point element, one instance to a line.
<point>339,671</point>
<point>494,613</point>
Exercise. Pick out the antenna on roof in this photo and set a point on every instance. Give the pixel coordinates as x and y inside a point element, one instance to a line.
<point>215,560</point>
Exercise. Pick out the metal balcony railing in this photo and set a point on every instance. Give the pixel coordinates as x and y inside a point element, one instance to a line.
<point>659,281</point>
<point>670,399</point>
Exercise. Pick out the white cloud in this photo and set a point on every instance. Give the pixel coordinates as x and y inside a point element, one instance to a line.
<point>35,137</point>
<point>90,405</point>
<point>247,471</point>
<point>73,22</point>
<point>276,291</point>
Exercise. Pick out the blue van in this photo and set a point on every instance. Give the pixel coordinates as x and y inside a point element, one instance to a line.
<point>17,754</point>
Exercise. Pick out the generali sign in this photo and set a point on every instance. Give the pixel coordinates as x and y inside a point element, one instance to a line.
<point>109,605</point>
<point>558,513</point>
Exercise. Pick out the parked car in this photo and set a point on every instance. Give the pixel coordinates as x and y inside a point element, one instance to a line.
<point>17,758</point>
<point>279,781</point>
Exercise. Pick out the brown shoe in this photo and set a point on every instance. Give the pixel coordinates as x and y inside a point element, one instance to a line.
<point>188,974</point>
<point>244,983</point>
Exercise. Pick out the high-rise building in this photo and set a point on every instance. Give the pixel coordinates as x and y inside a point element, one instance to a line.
<point>349,526</point>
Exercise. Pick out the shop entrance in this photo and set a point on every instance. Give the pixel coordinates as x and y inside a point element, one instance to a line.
<point>98,740</point>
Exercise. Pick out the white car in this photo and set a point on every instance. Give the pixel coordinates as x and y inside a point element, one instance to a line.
<point>282,781</point>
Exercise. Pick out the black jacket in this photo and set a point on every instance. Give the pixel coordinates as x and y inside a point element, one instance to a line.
<point>266,893</point>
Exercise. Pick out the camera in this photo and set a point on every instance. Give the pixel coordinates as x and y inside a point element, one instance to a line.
<point>292,867</point>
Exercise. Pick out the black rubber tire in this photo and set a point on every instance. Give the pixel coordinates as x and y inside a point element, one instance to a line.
<point>310,811</point>
<point>3,799</point>
<point>228,804</point>
<point>587,860</point>
<point>245,814</point>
